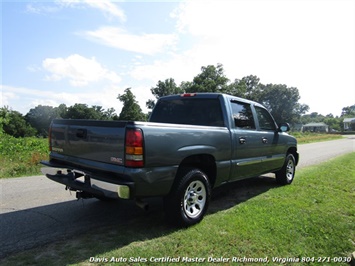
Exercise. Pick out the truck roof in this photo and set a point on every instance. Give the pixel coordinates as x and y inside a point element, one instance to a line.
<point>211,95</point>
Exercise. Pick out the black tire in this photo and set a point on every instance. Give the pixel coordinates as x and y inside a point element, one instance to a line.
<point>188,200</point>
<point>286,174</point>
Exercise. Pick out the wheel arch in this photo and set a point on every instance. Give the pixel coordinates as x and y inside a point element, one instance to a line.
<point>293,151</point>
<point>205,162</point>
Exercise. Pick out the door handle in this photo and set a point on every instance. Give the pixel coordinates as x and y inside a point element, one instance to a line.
<point>264,140</point>
<point>242,140</point>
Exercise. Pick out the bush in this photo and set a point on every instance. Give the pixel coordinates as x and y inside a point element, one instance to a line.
<point>21,156</point>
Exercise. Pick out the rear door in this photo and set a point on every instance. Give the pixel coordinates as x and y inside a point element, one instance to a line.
<point>246,154</point>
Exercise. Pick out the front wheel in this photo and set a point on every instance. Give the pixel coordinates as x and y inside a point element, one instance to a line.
<point>188,201</point>
<point>286,174</point>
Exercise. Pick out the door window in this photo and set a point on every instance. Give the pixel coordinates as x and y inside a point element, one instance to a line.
<point>266,122</point>
<point>242,115</point>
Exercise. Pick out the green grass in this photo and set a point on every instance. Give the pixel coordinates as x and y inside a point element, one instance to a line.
<point>309,137</point>
<point>312,218</point>
<point>21,156</point>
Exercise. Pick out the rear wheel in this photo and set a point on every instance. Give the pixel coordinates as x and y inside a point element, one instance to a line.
<point>188,201</point>
<point>286,174</point>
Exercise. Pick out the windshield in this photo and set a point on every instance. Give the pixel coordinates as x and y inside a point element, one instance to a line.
<point>189,111</point>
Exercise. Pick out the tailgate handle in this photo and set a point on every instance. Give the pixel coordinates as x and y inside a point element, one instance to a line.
<point>81,133</point>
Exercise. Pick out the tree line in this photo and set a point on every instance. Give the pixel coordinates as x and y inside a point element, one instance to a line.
<point>282,101</point>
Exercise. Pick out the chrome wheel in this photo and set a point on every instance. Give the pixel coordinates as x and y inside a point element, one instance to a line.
<point>290,170</point>
<point>286,174</point>
<point>188,201</point>
<point>194,199</point>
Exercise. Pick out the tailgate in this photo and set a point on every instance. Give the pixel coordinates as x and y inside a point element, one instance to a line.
<point>101,141</point>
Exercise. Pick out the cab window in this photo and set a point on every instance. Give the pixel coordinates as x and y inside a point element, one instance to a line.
<point>242,115</point>
<point>265,120</point>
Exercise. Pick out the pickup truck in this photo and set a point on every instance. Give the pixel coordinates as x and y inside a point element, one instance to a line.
<point>192,144</point>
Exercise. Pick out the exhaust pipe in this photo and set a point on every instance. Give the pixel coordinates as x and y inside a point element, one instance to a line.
<point>141,204</point>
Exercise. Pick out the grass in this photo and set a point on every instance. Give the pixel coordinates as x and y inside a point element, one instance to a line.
<point>312,219</point>
<point>309,137</point>
<point>21,156</point>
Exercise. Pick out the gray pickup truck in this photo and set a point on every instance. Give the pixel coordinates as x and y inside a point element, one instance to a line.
<point>192,143</point>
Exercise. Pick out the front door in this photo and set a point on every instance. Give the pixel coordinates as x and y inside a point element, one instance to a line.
<point>272,152</point>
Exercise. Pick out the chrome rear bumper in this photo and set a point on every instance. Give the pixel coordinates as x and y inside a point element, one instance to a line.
<point>80,181</point>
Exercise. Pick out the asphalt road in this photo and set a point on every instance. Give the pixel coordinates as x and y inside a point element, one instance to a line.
<point>35,211</point>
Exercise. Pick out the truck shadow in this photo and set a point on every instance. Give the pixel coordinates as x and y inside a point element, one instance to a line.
<point>232,194</point>
<point>51,229</point>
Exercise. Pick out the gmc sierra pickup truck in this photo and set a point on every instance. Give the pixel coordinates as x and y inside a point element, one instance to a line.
<point>192,143</point>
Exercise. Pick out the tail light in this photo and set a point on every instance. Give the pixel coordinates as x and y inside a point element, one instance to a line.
<point>188,95</point>
<point>134,156</point>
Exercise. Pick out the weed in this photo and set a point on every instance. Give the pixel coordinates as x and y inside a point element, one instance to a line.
<point>21,156</point>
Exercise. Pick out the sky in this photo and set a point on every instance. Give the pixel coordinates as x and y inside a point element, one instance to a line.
<point>90,51</point>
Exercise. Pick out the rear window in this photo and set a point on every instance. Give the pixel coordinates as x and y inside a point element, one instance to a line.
<point>189,111</point>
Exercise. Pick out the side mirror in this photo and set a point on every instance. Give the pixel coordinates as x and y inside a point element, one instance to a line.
<point>284,127</point>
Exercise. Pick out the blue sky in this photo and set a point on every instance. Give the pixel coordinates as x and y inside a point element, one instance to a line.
<point>89,51</point>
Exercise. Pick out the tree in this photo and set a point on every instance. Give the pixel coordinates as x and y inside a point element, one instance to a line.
<point>334,123</point>
<point>4,118</point>
<point>110,114</point>
<point>211,79</point>
<point>248,87</point>
<point>62,110</point>
<point>348,111</point>
<point>14,123</point>
<point>163,88</point>
<point>40,118</point>
<point>83,111</point>
<point>131,109</point>
<point>282,102</point>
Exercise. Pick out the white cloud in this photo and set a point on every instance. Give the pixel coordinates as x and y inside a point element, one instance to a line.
<point>110,9</point>
<point>79,70</point>
<point>107,7</point>
<point>304,44</point>
<point>181,67</point>
<point>41,9</point>
<point>119,38</point>
<point>22,99</point>
<point>6,97</point>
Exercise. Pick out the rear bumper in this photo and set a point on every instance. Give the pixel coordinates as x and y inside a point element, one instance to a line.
<point>118,182</point>
<point>78,181</point>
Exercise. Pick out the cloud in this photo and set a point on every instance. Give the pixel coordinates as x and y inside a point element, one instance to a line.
<point>110,9</point>
<point>22,99</point>
<point>278,40</point>
<point>41,9</point>
<point>119,38</point>
<point>79,70</point>
<point>308,45</point>
<point>6,97</point>
<point>107,7</point>
<point>181,67</point>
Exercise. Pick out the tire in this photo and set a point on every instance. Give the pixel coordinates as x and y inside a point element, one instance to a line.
<point>188,201</point>
<point>286,174</point>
